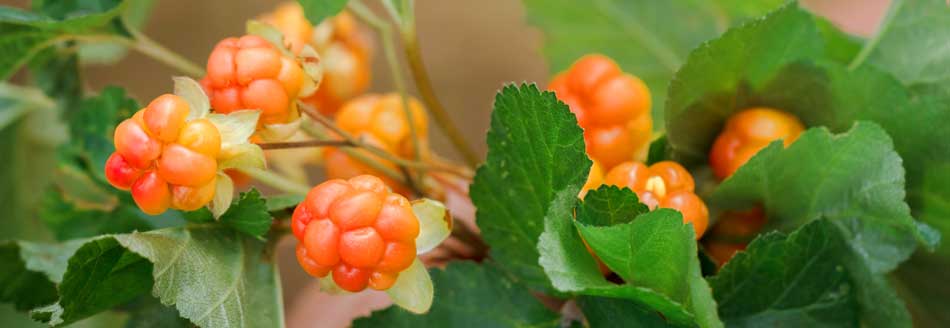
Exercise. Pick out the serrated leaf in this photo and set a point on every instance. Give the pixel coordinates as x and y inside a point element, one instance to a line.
<point>31,271</point>
<point>793,280</point>
<point>535,152</point>
<point>609,205</point>
<point>248,214</point>
<point>215,277</point>
<point>814,178</point>
<point>713,83</point>
<point>471,295</point>
<point>649,39</point>
<point>571,268</point>
<point>318,10</point>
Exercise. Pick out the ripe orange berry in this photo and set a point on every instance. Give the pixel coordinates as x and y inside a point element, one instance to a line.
<point>165,160</point>
<point>612,107</point>
<point>251,73</point>
<point>357,229</point>
<point>595,178</point>
<point>748,132</point>
<point>664,184</point>
<point>380,121</point>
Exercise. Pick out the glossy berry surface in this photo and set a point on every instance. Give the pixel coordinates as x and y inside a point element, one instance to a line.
<point>379,120</point>
<point>664,184</point>
<point>356,230</point>
<point>251,73</point>
<point>611,106</point>
<point>344,48</point>
<point>748,132</point>
<point>165,160</point>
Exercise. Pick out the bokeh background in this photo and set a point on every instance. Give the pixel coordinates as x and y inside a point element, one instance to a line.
<point>471,49</point>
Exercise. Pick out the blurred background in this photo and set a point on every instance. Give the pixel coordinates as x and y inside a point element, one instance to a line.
<point>471,49</point>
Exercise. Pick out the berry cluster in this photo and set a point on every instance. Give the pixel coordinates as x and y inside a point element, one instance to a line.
<point>165,159</point>
<point>664,184</point>
<point>344,49</point>
<point>251,73</point>
<point>379,120</point>
<point>612,107</point>
<point>358,230</point>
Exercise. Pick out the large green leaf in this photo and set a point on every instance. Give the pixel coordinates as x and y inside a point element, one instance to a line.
<point>616,312</point>
<point>854,179</point>
<point>719,76</point>
<point>685,302</point>
<point>31,271</point>
<point>535,158</point>
<point>23,34</point>
<point>909,44</point>
<point>471,295</point>
<point>609,205</point>
<point>649,39</point>
<point>792,281</point>
<point>215,277</point>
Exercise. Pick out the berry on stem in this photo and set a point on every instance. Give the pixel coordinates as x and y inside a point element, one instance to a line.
<point>611,106</point>
<point>664,184</point>
<point>356,229</point>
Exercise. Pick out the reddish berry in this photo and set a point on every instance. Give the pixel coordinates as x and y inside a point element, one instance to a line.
<point>358,230</point>
<point>612,107</point>
<point>748,132</point>
<point>164,159</point>
<point>251,73</point>
<point>664,184</point>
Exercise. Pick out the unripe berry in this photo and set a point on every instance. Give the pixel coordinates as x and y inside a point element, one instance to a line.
<point>251,73</point>
<point>748,132</point>
<point>381,121</point>
<point>358,230</point>
<point>664,184</point>
<point>612,107</point>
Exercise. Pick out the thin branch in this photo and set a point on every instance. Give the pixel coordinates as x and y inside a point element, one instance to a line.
<point>305,144</point>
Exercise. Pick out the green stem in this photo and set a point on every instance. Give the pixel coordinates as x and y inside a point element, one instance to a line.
<point>145,46</point>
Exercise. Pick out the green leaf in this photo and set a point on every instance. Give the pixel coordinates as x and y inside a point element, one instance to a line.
<point>31,271</point>
<point>609,205</point>
<point>214,276</point>
<point>318,10</point>
<point>31,130</point>
<point>247,214</point>
<point>814,178</point>
<point>572,269</point>
<point>615,312</point>
<point>283,202</point>
<point>791,281</point>
<point>718,76</point>
<point>535,157</point>
<point>148,312</point>
<point>649,39</point>
<point>471,295</point>
<point>659,150</point>
<point>24,33</point>
<point>68,221</point>
<point>906,46</point>
<point>93,123</point>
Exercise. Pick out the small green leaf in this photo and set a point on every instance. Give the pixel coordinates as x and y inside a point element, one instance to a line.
<point>318,10</point>
<point>792,281</point>
<point>659,150</point>
<point>535,154</point>
<point>471,295</point>
<point>608,206</point>
<point>248,214</point>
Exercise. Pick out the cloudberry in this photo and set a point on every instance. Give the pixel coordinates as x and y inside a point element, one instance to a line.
<point>748,132</point>
<point>358,231</point>
<point>611,106</point>
<point>344,48</point>
<point>380,121</point>
<point>165,159</point>
<point>251,73</point>
<point>664,184</point>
